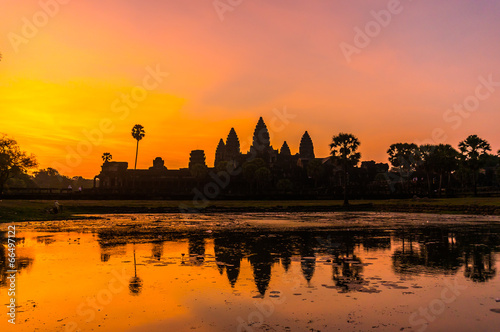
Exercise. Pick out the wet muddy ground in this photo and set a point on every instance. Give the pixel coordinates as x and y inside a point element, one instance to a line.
<point>345,271</point>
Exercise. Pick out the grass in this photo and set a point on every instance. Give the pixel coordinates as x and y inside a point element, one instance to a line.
<point>34,210</point>
<point>464,201</point>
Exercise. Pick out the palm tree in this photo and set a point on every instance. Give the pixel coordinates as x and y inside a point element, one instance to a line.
<point>106,157</point>
<point>437,159</point>
<point>406,157</point>
<point>135,283</point>
<point>445,163</point>
<point>343,150</point>
<point>428,164</point>
<point>473,149</point>
<point>137,133</point>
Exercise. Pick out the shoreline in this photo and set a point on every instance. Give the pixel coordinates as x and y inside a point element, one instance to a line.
<point>35,210</point>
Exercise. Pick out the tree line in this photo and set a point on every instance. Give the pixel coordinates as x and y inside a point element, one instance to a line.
<point>15,167</point>
<point>425,170</point>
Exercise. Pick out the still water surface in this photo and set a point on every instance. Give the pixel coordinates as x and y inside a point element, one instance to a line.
<point>257,272</point>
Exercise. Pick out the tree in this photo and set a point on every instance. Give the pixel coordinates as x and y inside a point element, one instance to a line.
<point>250,167</point>
<point>262,177</point>
<point>23,180</point>
<point>343,150</point>
<point>428,164</point>
<point>284,185</point>
<point>473,150</point>
<point>106,157</point>
<point>445,160</point>
<point>315,171</point>
<point>135,283</point>
<point>405,157</point>
<point>437,159</point>
<point>13,161</point>
<point>50,178</point>
<point>498,168</point>
<point>138,134</point>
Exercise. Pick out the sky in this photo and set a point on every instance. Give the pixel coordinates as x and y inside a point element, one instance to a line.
<point>76,76</point>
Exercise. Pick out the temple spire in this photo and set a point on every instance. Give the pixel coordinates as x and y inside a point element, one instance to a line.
<point>261,136</point>
<point>220,152</point>
<point>285,150</point>
<point>306,149</point>
<point>232,145</point>
<point>197,157</point>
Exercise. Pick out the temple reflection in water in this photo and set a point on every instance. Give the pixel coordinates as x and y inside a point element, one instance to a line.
<point>416,250</point>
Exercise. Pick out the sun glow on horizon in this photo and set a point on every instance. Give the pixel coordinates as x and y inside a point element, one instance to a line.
<point>57,88</point>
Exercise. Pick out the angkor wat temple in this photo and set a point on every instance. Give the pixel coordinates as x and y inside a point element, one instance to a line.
<point>261,170</point>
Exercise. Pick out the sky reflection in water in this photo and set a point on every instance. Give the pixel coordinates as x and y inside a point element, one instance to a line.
<point>384,277</point>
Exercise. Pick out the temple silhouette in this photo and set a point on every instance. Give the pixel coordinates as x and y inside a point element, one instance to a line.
<point>260,169</point>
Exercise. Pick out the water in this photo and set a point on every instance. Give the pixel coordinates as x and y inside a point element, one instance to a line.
<point>257,272</point>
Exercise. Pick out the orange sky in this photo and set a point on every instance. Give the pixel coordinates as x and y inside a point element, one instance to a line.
<point>63,78</point>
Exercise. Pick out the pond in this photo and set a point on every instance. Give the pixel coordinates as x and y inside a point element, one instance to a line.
<point>255,272</point>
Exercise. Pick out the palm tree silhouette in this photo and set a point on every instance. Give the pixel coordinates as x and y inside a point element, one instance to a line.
<point>473,150</point>
<point>137,133</point>
<point>343,150</point>
<point>446,163</point>
<point>106,157</point>
<point>406,157</point>
<point>135,283</point>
